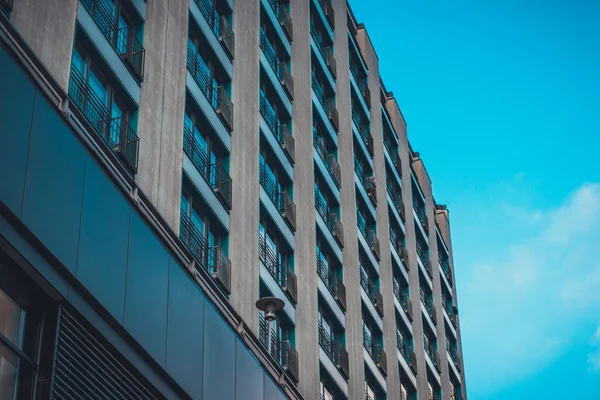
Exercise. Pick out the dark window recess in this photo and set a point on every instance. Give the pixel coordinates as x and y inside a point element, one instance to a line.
<point>6,5</point>
<point>89,367</point>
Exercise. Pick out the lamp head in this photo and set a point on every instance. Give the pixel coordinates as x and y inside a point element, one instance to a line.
<point>270,306</point>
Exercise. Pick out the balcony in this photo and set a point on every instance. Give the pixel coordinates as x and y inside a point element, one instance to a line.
<point>396,195</point>
<point>279,129</point>
<point>115,132</point>
<point>325,51</point>
<point>419,208</point>
<point>369,233</point>
<point>279,269</point>
<point>283,16</point>
<point>375,351</point>
<point>122,39</point>
<point>217,96</point>
<point>281,350</point>
<point>211,258</point>
<point>392,149</point>
<point>328,11</point>
<point>454,355</point>
<point>328,159</point>
<point>328,103</point>
<point>423,253</point>
<point>281,199</point>
<point>214,173</point>
<point>280,68</point>
<point>219,26</point>
<point>333,283</point>
<point>427,300</point>
<point>405,348</point>
<point>431,351</point>
<point>368,182</point>
<point>362,83</point>
<point>445,266</point>
<point>398,242</point>
<point>6,5</point>
<point>403,298</point>
<point>363,131</point>
<point>335,351</point>
<point>372,291</point>
<point>330,218</point>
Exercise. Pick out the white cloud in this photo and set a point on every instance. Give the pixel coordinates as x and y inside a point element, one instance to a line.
<point>522,310</point>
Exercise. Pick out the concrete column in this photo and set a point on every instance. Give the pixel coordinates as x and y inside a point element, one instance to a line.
<point>307,337</point>
<point>425,184</point>
<point>383,222</point>
<point>48,27</point>
<point>354,345</point>
<point>162,105</point>
<point>244,216</point>
<point>413,274</point>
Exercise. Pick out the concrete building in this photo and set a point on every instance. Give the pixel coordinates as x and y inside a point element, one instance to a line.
<point>165,164</point>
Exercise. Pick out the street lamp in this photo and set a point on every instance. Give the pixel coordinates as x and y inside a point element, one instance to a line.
<point>270,306</point>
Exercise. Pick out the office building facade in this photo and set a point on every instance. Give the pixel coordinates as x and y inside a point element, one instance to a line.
<point>165,164</point>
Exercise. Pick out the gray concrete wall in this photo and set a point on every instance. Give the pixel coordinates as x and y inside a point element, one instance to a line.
<point>162,105</point>
<point>49,29</point>
<point>244,217</point>
<point>354,345</point>
<point>307,337</point>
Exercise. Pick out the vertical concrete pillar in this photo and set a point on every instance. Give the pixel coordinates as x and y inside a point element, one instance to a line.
<point>307,337</point>
<point>354,344</point>
<point>48,27</point>
<point>244,216</point>
<point>162,105</point>
<point>383,222</point>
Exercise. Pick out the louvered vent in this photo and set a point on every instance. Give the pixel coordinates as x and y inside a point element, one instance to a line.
<point>88,367</point>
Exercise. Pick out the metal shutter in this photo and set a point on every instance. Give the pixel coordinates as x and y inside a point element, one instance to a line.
<point>88,367</point>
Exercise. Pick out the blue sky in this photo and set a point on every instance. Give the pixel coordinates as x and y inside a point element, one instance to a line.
<point>502,100</point>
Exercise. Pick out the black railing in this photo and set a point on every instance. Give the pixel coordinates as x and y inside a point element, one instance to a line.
<point>279,268</point>
<point>332,281</point>
<point>210,258</point>
<point>217,96</point>
<point>402,294</point>
<point>283,16</point>
<point>219,25</point>
<point>123,40</point>
<point>445,265</point>
<point>423,252</point>
<point>334,350</point>
<point>281,350</point>
<point>329,159</point>
<point>281,199</point>
<point>325,51</point>
<point>362,83</point>
<point>372,291</point>
<point>279,129</point>
<point>363,130</point>
<point>395,193</point>
<point>370,186</point>
<point>6,5</point>
<point>380,358</point>
<point>405,347</point>
<point>213,173</point>
<point>328,11</point>
<point>116,132</point>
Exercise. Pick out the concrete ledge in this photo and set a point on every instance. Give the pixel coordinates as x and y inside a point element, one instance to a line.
<point>275,289</point>
<point>205,191</point>
<point>332,370</point>
<point>276,147</point>
<point>210,114</point>
<point>374,370</point>
<point>275,82</point>
<point>333,305</point>
<point>109,54</point>
<point>282,226</point>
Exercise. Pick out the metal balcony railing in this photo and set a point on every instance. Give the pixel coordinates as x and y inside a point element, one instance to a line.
<point>332,281</point>
<point>453,352</point>
<point>328,11</point>
<point>213,173</point>
<point>6,5</point>
<point>423,252</point>
<point>280,130</point>
<point>402,294</point>
<point>363,130</point>
<point>279,268</point>
<point>371,188</point>
<point>281,350</point>
<point>372,291</point>
<point>380,358</point>
<point>211,258</point>
<point>115,132</point>
<point>445,266</point>
<point>329,159</point>
<point>419,207</point>
<point>405,347</point>
<point>369,233</point>
<point>219,25</point>
<point>368,395</point>
<point>431,351</point>
<point>217,96</point>
<point>363,85</point>
<point>280,68</point>
<point>334,350</point>
<point>283,16</point>
<point>122,39</point>
<point>328,103</point>
<point>395,193</point>
<point>394,156</point>
<point>325,51</point>
<point>427,300</point>
<point>281,199</point>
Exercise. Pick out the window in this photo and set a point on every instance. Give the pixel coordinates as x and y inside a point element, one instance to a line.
<point>27,332</point>
<point>324,392</point>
